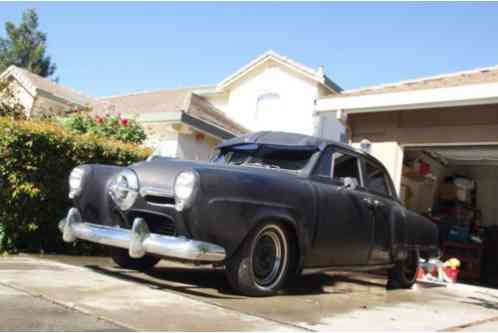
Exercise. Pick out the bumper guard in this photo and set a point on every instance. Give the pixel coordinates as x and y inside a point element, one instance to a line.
<point>139,241</point>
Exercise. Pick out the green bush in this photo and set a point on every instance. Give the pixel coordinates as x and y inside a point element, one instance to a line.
<point>115,127</point>
<point>36,159</point>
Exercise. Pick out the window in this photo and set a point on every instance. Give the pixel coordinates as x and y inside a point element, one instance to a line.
<point>338,166</point>
<point>376,179</point>
<point>269,112</point>
<point>267,156</point>
<point>345,166</point>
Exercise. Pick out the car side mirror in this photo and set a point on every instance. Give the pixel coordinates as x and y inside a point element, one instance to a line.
<point>349,183</point>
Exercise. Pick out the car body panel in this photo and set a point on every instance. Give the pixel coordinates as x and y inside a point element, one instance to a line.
<point>334,226</point>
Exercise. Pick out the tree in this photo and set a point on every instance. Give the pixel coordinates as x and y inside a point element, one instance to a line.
<point>25,46</point>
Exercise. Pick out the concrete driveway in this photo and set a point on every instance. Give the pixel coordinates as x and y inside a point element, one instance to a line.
<point>81,293</point>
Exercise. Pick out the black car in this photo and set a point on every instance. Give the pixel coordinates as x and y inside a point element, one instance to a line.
<point>268,206</point>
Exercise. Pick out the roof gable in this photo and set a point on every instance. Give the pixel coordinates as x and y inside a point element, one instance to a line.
<point>34,83</point>
<point>315,75</point>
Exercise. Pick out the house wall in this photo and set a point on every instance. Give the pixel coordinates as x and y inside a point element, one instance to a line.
<point>192,148</point>
<point>50,106</point>
<point>22,95</point>
<point>390,131</point>
<point>326,125</point>
<point>297,98</point>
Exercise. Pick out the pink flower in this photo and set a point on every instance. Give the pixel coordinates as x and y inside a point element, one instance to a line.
<point>124,122</point>
<point>99,119</point>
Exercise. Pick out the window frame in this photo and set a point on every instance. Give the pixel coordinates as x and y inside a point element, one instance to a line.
<point>333,150</point>
<point>390,187</point>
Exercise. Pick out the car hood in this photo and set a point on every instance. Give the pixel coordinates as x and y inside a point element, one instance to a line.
<point>161,173</point>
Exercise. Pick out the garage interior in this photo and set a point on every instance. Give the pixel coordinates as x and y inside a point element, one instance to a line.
<point>457,188</point>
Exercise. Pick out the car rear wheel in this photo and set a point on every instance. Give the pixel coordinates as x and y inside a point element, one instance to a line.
<point>404,273</point>
<point>261,265</point>
<point>122,259</point>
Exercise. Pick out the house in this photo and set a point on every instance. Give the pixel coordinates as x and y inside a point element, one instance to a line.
<point>271,92</point>
<point>42,96</point>
<point>180,123</point>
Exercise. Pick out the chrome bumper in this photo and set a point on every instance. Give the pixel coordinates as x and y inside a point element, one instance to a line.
<point>139,241</point>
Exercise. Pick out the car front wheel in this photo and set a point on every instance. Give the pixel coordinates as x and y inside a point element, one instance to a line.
<point>404,273</point>
<point>260,266</point>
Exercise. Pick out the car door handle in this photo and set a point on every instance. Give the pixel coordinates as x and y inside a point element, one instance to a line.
<point>369,202</point>
<point>373,203</point>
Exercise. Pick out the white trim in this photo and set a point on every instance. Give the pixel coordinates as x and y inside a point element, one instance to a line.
<point>310,73</point>
<point>409,100</point>
<point>449,144</point>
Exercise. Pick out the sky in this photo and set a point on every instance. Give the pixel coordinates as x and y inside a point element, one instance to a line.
<point>104,49</point>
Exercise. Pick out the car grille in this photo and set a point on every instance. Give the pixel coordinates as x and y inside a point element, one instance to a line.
<point>156,200</point>
<point>157,223</point>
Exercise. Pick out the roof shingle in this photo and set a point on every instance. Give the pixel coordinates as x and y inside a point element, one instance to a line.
<point>476,76</point>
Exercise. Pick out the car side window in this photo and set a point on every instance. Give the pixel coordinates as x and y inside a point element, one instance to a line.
<point>345,166</point>
<point>376,179</point>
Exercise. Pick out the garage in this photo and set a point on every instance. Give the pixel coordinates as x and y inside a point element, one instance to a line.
<point>457,188</point>
<point>438,138</point>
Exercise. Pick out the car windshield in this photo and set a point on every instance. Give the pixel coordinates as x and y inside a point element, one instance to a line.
<point>268,156</point>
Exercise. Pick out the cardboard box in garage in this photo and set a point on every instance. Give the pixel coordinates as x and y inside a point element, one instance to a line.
<point>417,193</point>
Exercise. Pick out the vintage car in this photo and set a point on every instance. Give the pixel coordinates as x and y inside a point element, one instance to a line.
<point>268,206</point>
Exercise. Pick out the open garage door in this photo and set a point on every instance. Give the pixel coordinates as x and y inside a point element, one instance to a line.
<point>457,187</point>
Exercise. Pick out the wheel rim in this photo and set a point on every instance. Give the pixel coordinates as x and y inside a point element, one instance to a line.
<point>269,256</point>
<point>410,266</point>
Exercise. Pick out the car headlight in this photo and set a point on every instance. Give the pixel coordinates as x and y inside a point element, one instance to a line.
<point>76,181</point>
<point>124,189</point>
<point>185,188</point>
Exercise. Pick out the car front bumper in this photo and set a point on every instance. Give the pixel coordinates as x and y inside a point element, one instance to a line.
<point>139,241</point>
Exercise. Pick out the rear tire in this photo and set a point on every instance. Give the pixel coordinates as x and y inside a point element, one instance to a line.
<point>261,265</point>
<point>404,273</point>
<point>123,259</point>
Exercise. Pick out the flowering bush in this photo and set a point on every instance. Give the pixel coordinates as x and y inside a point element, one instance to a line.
<point>113,127</point>
<point>36,159</point>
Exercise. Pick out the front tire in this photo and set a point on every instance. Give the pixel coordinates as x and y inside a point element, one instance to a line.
<point>262,263</point>
<point>404,273</point>
<point>123,259</point>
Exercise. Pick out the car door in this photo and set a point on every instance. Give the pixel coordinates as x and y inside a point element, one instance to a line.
<point>344,226</point>
<point>380,197</point>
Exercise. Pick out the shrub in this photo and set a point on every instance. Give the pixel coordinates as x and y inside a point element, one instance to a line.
<point>115,127</point>
<point>37,158</point>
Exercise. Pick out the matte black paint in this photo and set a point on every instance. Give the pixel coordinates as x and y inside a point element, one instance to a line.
<point>334,226</point>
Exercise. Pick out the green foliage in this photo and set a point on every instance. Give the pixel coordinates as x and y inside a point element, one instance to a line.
<point>114,127</point>
<point>25,46</point>
<point>37,157</point>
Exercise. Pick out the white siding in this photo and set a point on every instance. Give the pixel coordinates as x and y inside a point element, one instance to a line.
<point>297,97</point>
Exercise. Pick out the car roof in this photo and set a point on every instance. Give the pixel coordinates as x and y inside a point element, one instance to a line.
<point>285,139</point>
<point>289,139</point>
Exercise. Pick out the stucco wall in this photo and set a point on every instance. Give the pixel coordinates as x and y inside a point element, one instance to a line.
<point>22,96</point>
<point>297,96</point>
<point>327,126</point>
<point>47,105</point>
<point>192,148</point>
